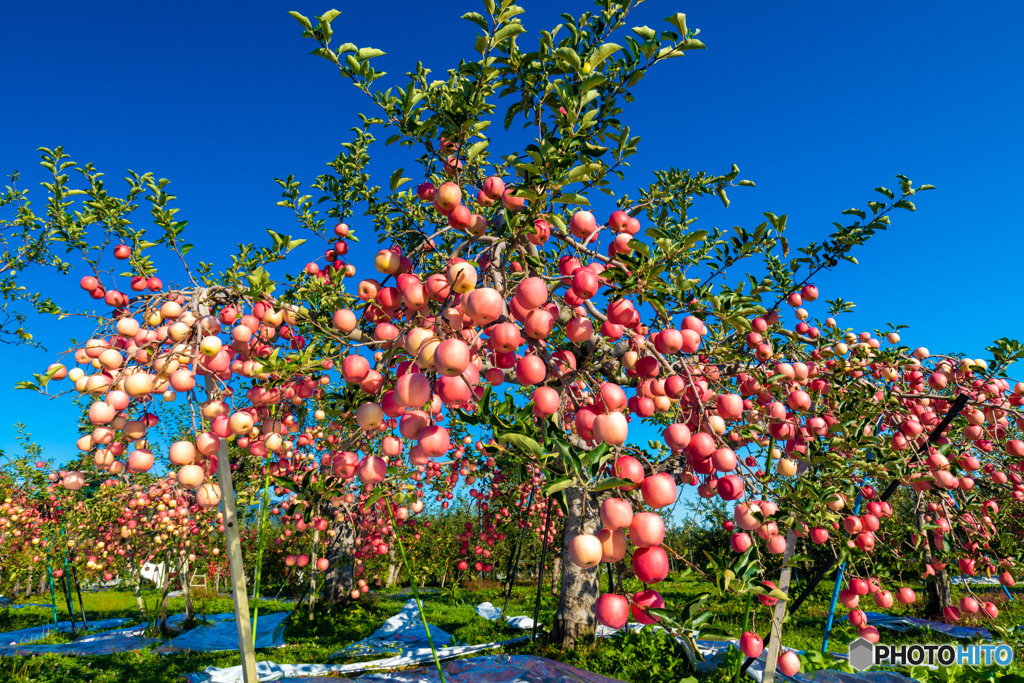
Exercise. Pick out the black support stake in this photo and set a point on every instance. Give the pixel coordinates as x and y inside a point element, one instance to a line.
<point>540,572</point>
<point>78,589</point>
<point>514,566</point>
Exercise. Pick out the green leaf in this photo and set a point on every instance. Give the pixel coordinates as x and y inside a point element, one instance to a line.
<point>397,180</point>
<point>602,53</point>
<point>368,53</point>
<point>326,53</point>
<point>855,212</point>
<point>905,204</point>
<point>286,483</point>
<point>325,29</point>
<point>45,379</point>
<point>720,191</point>
<point>568,55</point>
<point>522,442</point>
<point>591,82</point>
<point>571,199</point>
<point>664,616</point>
<point>507,31</point>
<point>374,497</point>
<point>611,483</point>
<point>644,32</point>
<point>558,485</point>
<point>475,149</point>
<point>640,246</point>
<point>302,20</point>
<point>477,19</point>
<point>480,45</point>
<point>679,21</point>
<point>597,454</point>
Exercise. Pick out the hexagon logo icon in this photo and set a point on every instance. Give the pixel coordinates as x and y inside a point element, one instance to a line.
<point>862,654</point>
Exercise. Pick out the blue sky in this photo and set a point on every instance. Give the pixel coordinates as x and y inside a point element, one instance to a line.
<point>816,102</point>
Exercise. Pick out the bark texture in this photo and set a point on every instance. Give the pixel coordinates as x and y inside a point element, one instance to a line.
<point>938,588</point>
<point>580,588</point>
<point>340,575</point>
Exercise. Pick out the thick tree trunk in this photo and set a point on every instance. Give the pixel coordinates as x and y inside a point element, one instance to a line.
<point>938,595</point>
<point>340,573</point>
<point>556,575</point>
<point>938,588</point>
<point>574,619</point>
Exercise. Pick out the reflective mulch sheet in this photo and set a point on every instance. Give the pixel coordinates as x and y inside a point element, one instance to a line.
<point>27,604</point>
<point>269,671</point>
<point>484,669</point>
<point>98,644</point>
<point>404,638</point>
<point>831,676</point>
<point>400,633</point>
<point>904,624</point>
<point>223,635</point>
<point>27,635</point>
<point>492,613</point>
<point>493,669</point>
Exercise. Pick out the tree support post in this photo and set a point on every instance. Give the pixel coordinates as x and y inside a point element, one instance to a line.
<point>53,598</point>
<point>780,611</point>
<point>837,588</point>
<point>234,547</point>
<point>78,589</point>
<point>514,565</point>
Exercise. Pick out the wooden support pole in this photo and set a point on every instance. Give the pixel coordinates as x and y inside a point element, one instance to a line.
<point>780,611</point>
<point>235,566</point>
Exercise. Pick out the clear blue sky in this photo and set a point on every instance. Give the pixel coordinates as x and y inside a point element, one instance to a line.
<point>816,102</point>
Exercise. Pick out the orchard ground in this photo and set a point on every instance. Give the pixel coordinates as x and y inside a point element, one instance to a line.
<point>646,657</point>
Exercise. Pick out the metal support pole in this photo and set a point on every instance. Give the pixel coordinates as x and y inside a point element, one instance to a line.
<point>837,588</point>
<point>53,597</point>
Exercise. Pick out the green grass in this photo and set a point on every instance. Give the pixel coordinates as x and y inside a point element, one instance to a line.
<point>639,658</point>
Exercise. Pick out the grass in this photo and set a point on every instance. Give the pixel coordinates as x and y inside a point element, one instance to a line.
<point>638,658</point>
